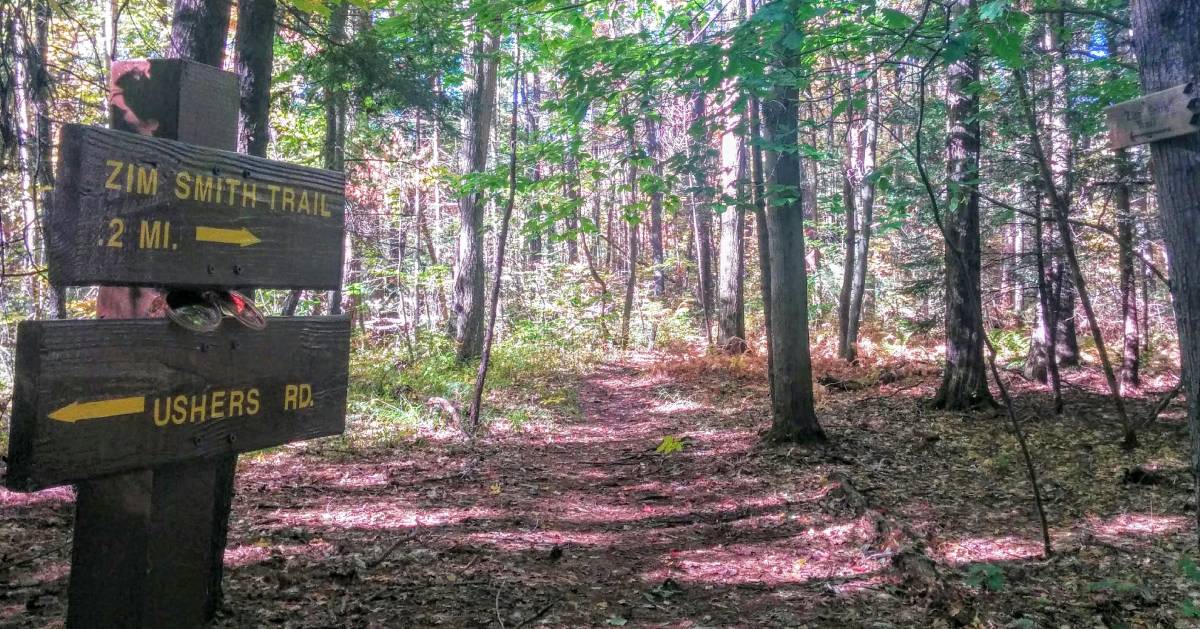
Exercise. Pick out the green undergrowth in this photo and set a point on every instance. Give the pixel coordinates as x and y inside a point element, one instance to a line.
<point>532,379</point>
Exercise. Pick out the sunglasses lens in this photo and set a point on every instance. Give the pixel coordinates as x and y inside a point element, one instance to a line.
<point>238,306</point>
<point>192,311</point>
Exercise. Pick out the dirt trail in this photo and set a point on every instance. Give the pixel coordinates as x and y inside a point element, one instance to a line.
<point>583,523</point>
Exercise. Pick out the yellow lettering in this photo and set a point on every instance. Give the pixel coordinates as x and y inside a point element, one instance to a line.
<point>116,166</point>
<point>162,420</point>
<point>252,402</point>
<point>289,397</point>
<point>321,205</point>
<point>183,185</point>
<point>233,186</point>
<point>289,200</point>
<point>218,405</point>
<point>179,409</point>
<point>249,194</point>
<point>203,189</point>
<point>235,402</point>
<point>147,181</point>
<point>129,178</point>
<point>201,407</point>
<point>274,189</point>
<point>303,205</point>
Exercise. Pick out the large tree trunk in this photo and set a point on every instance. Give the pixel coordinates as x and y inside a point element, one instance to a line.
<point>1167,36</point>
<point>794,416</point>
<point>731,324</point>
<point>254,54</point>
<point>198,31</point>
<point>964,381</point>
<point>480,96</point>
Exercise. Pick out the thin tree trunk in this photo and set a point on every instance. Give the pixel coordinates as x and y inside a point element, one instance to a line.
<point>701,208</point>
<point>198,31</point>
<point>469,273</point>
<point>656,208</point>
<point>762,231</point>
<point>1064,232</point>
<point>865,212</point>
<point>498,266</point>
<point>1129,305</point>
<point>631,181</point>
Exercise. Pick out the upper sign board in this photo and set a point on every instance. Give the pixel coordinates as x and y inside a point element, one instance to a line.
<point>1161,115</point>
<point>137,210</point>
<point>101,397</point>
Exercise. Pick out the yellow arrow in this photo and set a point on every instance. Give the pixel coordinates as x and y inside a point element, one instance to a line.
<point>243,236</point>
<point>79,411</point>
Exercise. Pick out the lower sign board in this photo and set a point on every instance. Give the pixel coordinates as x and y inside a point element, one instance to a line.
<point>133,210</point>
<point>101,397</point>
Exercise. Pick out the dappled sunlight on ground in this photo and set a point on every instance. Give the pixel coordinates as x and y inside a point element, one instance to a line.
<point>1127,525</point>
<point>988,550</point>
<point>584,521</point>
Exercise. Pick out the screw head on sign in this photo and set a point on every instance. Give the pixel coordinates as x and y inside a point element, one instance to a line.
<point>237,269</point>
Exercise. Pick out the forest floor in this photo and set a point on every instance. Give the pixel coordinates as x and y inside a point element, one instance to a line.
<point>908,517</point>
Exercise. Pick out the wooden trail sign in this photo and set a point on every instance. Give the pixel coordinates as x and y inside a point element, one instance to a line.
<point>1158,116</point>
<point>137,210</point>
<point>144,417</point>
<point>98,397</point>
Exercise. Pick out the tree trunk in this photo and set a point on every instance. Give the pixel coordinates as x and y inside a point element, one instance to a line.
<point>964,381</point>
<point>851,226</point>
<point>480,97</point>
<point>761,228</point>
<point>1047,320</point>
<point>254,54</point>
<point>198,31</point>
<point>43,179</point>
<point>656,208</point>
<point>701,208</point>
<point>731,326</point>
<point>794,416</point>
<point>631,181</point>
<point>334,149</point>
<point>1129,304</point>
<point>1167,36</point>
<point>862,142</point>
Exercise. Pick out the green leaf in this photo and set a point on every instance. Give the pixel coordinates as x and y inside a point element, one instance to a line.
<point>896,20</point>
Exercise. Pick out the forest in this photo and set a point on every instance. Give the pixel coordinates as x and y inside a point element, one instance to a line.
<point>663,313</point>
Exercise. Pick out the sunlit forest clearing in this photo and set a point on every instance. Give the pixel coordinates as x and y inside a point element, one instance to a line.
<point>706,313</point>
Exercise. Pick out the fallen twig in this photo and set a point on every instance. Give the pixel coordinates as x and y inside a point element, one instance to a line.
<point>541,612</point>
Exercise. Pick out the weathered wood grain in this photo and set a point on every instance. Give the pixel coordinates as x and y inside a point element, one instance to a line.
<point>1164,114</point>
<point>144,211</point>
<point>91,376</point>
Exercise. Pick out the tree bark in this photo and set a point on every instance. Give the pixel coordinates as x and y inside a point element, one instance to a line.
<point>1167,39</point>
<point>254,56</point>
<point>761,228</point>
<point>198,31</point>
<point>862,143</point>
<point>630,215</point>
<point>656,208</point>
<point>701,207</point>
<point>731,325</point>
<point>480,97</point>
<point>793,412</point>
<point>964,380</point>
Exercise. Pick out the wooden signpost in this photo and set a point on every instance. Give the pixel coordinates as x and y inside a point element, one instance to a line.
<point>1158,116</point>
<point>137,210</point>
<point>145,416</point>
